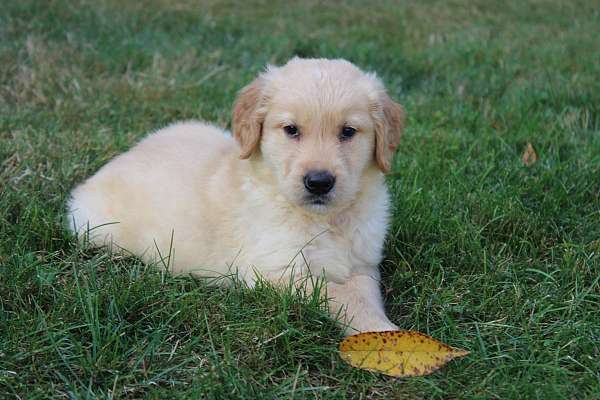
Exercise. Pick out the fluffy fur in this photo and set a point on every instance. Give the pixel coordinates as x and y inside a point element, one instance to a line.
<point>218,204</point>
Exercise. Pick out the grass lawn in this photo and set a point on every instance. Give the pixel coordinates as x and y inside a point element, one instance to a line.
<point>484,253</point>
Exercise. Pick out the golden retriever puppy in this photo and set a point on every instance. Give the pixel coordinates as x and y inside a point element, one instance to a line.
<point>298,190</point>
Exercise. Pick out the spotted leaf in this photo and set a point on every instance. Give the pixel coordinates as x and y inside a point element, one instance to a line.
<point>397,353</point>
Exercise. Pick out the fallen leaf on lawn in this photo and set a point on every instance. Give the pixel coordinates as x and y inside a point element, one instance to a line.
<point>529,156</point>
<point>397,353</point>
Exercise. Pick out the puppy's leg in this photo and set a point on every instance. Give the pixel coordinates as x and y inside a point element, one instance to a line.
<point>358,301</point>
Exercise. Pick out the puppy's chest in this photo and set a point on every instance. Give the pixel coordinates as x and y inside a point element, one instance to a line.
<point>353,247</point>
<point>337,247</point>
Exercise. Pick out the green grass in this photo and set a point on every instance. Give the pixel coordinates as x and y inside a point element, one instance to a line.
<point>484,253</point>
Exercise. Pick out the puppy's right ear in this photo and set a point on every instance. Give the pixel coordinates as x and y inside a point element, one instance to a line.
<point>248,117</point>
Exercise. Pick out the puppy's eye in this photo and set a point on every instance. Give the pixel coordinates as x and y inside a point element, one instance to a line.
<point>291,131</point>
<point>347,132</point>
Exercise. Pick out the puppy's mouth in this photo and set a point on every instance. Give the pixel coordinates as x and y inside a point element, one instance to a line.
<point>317,200</point>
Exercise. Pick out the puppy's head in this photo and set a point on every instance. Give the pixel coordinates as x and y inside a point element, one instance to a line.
<point>319,125</point>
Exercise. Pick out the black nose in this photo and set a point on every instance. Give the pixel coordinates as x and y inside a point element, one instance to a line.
<point>319,182</point>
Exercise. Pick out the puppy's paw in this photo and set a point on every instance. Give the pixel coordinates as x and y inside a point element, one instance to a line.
<point>371,325</point>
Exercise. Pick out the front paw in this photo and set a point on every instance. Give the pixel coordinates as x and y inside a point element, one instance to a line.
<point>356,327</point>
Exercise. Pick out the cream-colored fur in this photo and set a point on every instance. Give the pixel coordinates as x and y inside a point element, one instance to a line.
<point>208,204</point>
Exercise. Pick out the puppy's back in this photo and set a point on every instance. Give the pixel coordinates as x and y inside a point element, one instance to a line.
<point>142,196</point>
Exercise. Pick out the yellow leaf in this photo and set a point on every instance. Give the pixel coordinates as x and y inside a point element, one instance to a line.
<point>397,353</point>
<point>529,156</point>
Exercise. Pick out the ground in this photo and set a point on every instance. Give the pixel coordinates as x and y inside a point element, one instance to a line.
<point>485,252</point>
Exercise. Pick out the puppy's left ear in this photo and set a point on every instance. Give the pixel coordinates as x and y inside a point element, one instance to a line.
<point>248,117</point>
<point>389,124</point>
